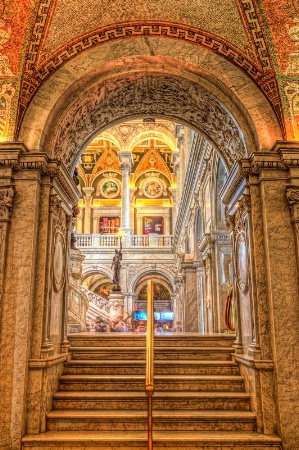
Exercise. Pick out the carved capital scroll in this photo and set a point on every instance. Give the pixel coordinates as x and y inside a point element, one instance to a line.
<point>293,199</point>
<point>125,167</point>
<point>6,203</point>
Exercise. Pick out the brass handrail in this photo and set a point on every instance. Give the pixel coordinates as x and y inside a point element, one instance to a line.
<point>149,374</point>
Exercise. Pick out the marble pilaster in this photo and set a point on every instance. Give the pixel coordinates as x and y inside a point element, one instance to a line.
<point>271,266</point>
<point>191,303</point>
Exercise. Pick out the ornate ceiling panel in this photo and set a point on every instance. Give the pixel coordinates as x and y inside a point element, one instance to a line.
<point>71,19</point>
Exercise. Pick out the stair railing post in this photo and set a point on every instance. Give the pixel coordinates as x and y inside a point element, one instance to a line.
<point>149,378</point>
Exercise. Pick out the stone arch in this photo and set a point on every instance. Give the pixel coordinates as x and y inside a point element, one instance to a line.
<point>160,96</point>
<point>164,136</point>
<point>111,138</point>
<point>133,282</point>
<point>156,278</point>
<point>150,30</point>
<point>243,98</point>
<point>89,271</point>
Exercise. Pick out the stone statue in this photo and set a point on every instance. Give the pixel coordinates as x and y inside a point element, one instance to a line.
<point>116,269</point>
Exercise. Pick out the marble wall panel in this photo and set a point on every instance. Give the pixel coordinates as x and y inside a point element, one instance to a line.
<point>55,319</point>
<point>284,306</point>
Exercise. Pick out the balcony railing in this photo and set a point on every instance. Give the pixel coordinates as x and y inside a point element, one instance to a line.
<point>135,240</point>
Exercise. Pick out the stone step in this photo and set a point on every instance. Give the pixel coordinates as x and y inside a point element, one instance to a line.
<point>138,340</point>
<point>162,367</point>
<point>172,440</point>
<point>130,420</point>
<point>162,382</point>
<point>169,353</point>
<point>161,400</point>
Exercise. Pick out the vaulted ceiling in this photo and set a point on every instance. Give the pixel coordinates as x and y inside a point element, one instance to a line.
<point>247,48</point>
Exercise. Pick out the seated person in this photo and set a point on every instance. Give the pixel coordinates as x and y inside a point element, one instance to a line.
<point>158,327</point>
<point>101,326</point>
<point>118,325</point>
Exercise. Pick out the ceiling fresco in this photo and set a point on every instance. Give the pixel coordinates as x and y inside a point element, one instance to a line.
<point>37,37</point>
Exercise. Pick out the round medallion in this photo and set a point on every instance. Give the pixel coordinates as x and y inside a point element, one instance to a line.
<point>153,189</point>
<point>242,263</point>
<point>59,263</point>
<point>110,188</point>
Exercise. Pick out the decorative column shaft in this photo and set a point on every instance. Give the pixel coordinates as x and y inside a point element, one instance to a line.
<point>88,191</point>
<point>125,165</point>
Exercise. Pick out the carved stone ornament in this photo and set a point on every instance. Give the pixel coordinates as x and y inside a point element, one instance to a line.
<point>293,199</point>
<point>55,204</point>
<point>61,225</point>
<point>118,99</point>
<point>6,198</point>
<point>241,259</point>
<point>59,262</point>
<point>125,167</point>
<point>242,213</point>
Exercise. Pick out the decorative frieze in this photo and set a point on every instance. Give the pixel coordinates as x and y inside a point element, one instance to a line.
<point>6,198</point>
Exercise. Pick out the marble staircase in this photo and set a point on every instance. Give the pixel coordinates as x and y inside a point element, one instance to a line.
<point>199,402</point>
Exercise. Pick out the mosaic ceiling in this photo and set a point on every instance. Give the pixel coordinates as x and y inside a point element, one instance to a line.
<point>37,37</point>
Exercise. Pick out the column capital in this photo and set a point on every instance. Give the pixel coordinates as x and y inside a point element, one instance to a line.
<point>125,159</point>
<point>88,191</point>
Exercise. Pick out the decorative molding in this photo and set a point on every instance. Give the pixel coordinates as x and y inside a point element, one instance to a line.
<point>256,31</point>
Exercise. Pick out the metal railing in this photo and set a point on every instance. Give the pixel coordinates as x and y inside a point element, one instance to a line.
<point>135,240</point>
<point>149,374</point>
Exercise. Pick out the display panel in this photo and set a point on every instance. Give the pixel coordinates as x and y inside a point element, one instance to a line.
<point>167,315</point>
<point>142,315</point>
<point>109,225</point>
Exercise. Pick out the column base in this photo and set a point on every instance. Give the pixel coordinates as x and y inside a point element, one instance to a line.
<point>116,302</point>
<point>126,231</point>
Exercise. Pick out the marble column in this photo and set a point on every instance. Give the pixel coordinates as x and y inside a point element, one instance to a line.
<point>87,218</point>
<point>79,222</point>
<point>132,208</point>
<point>139,222</point>
<point>95,220</point>
<point>125,159</point>
<point>167,221</point>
